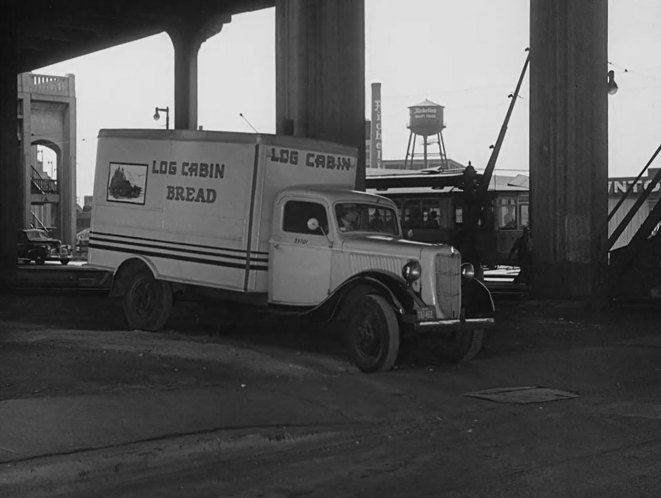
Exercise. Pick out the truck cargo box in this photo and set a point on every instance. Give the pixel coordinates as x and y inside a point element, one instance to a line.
<point>197,205</point>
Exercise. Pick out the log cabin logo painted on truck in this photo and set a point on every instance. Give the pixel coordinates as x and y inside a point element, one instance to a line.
<point>127,182</point>
<point>188,171</point>
<point>318,160</point>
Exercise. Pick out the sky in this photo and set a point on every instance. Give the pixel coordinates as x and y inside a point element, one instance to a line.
<point>466,56</point>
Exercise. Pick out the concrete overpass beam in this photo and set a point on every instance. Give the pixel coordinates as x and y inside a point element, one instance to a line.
<point>568,145</point>
<point>187,38</point>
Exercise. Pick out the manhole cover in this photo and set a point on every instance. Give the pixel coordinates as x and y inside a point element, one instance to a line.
<point>522,395</point>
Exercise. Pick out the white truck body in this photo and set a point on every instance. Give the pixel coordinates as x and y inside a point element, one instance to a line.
<point>204,212</point>
<point>263,216</point>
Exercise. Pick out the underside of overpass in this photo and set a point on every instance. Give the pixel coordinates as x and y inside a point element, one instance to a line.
<point>568,128</point>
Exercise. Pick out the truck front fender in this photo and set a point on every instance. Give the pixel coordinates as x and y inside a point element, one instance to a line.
<point>401,297</point>
<point>476,299</point>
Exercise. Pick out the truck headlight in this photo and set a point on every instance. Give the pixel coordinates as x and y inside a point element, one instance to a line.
<point>412,271</point>
<point>467,271</point>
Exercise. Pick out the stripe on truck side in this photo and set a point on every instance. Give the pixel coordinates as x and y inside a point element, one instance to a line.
<point>180,251</point>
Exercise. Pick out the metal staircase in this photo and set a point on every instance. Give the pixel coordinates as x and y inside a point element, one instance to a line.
<point>42,186</point>
<point>634,271</point>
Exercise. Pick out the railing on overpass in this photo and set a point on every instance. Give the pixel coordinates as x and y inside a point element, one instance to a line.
<point>45,84</point>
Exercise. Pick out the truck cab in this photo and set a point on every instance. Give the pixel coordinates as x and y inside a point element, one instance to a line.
<point>336,247</point>
<point>308,238</point>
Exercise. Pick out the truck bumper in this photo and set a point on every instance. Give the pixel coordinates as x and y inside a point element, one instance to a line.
<point>455,325</point>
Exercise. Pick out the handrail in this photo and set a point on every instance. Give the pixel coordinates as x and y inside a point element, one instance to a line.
<point>44,185</point>
<point>40,224</point>
<point>35,170</point>
<point>634,209</point>
<point>632,186</point>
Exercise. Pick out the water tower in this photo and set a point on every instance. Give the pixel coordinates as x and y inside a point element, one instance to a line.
<point>426,120</point>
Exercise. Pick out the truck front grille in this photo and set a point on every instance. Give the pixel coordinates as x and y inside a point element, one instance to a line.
<point>364,262</point>
<point>448,284</point>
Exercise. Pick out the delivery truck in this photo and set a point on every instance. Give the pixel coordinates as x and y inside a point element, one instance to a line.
<point>275,222</point>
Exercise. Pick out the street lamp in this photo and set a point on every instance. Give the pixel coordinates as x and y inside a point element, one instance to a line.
<point>611,85</point>
<point>157,116</point>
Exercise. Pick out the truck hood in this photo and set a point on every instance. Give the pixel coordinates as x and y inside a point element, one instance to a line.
<point>383,245</point>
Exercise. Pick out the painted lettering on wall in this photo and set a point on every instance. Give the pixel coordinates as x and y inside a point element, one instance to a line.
<point>621,185</point>
<point>187,170</point>
<point>376,128</point>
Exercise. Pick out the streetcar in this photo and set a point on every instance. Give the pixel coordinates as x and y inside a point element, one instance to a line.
<point>433,208</point>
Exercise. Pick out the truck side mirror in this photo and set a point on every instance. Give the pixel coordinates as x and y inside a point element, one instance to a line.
<point>313,224</point>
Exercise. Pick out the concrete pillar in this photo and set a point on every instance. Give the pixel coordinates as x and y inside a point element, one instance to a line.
<point>28,153</point>
<point>568,145</point>
<point>187,38</point>
<point>10,162</point>
<point>320,72</point>
<point>67,165</point>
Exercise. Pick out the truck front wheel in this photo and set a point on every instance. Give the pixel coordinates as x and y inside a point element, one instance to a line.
<point>147,302</point>
<point>462,345</point>
<point>373,334</point>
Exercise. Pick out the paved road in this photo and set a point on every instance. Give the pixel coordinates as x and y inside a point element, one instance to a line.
<point>274,409</point>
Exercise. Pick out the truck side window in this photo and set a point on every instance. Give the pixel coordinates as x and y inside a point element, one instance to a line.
<point>296,216</point>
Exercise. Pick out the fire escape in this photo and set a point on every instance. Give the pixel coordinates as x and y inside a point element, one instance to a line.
<point>44,193</point>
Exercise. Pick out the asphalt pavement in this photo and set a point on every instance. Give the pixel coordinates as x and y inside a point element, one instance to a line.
<point>86,405</point>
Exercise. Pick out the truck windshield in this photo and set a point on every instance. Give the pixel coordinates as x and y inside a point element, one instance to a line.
<point>352,217</point>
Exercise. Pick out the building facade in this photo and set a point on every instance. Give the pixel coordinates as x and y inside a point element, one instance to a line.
<point>46,127</point>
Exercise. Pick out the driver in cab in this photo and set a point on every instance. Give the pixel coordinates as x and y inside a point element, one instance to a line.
<point>349,218</point>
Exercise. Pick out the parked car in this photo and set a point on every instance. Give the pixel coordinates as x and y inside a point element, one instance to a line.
<point>83,241</point>
<point>36,245</point>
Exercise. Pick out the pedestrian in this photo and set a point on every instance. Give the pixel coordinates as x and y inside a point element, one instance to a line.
<point>432,221</point>
<point>522,250</point>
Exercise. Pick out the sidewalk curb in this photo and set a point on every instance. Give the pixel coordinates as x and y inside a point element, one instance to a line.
<point>44,475</point>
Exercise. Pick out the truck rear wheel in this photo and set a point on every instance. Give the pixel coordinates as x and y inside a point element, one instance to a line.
<point>147,302</point>
<point>462,345</point>
<point>373,334</point>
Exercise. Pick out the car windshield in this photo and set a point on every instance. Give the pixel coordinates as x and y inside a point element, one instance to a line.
<point>352,217</point>
<point>36,234</point>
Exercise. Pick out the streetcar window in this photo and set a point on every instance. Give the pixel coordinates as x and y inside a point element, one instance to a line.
<point>431,210</point>
<point>412,214</point>
<point>459,215</point>
<point>523,216</point>
<point>421,213</point>
<point>507,214</point>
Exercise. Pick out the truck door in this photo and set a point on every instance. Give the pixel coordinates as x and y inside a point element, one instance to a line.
<point>300,257</point>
